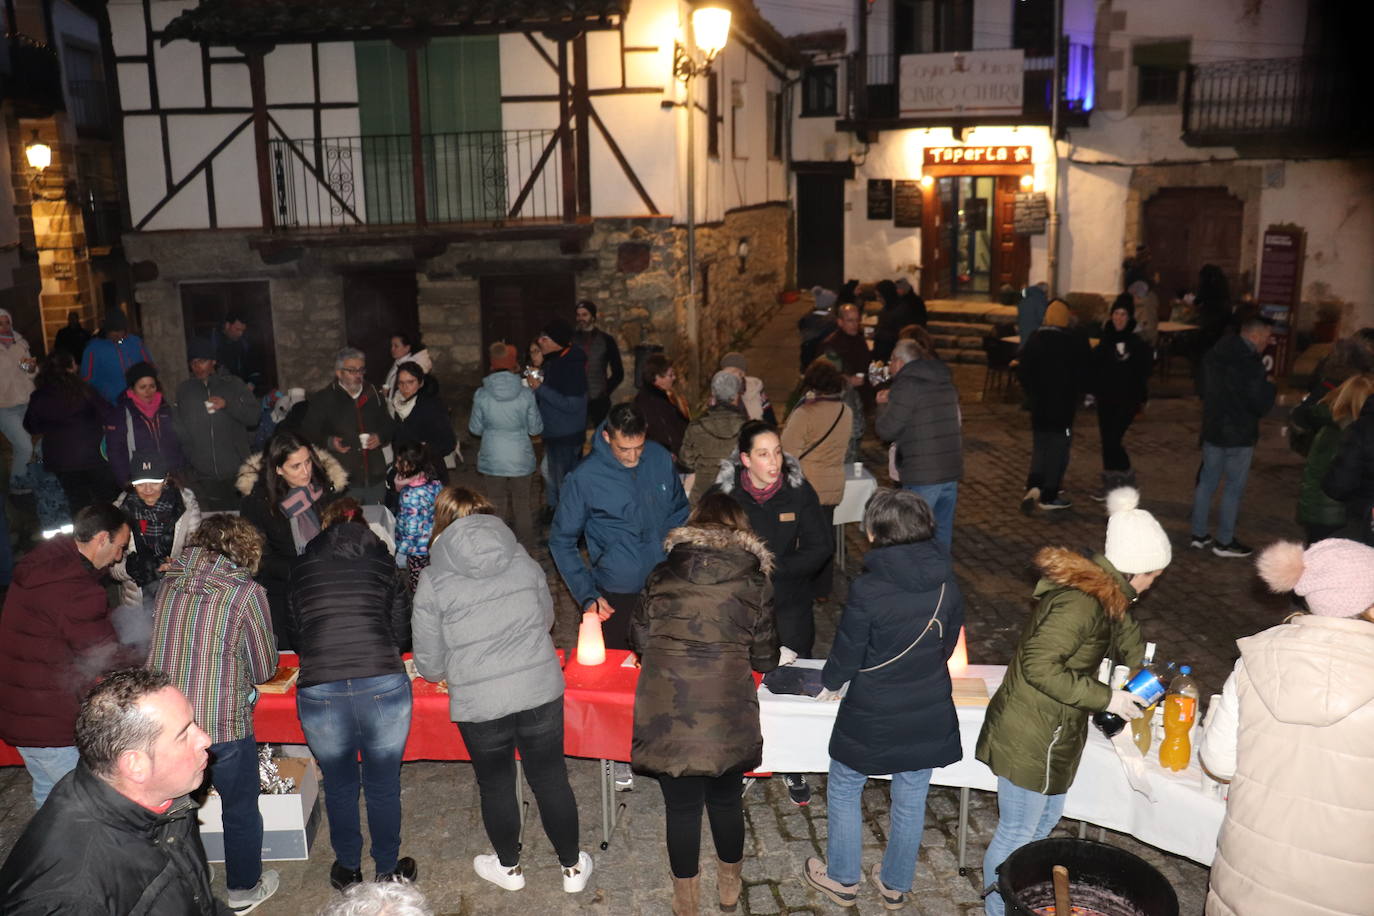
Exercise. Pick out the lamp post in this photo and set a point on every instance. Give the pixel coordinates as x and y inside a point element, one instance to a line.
<point>707,34</point>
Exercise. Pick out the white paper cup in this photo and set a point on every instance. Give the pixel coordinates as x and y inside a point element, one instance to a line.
<point>209,406</point>
<point>858,468</point>
<point>362,439</point>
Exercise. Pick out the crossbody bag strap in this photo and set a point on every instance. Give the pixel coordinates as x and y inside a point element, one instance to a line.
<point>817,443</point>
<point>932,622</point>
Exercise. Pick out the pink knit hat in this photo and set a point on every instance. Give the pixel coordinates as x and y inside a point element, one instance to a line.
<point>1335,576</point>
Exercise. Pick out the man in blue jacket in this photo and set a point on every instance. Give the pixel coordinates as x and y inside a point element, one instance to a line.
<point>624,498</point>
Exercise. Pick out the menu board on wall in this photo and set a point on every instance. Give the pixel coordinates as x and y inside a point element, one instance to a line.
<point>880,198</point>
<point>906,205</point>
<point>1030,212</point>
<point>1280,280</point>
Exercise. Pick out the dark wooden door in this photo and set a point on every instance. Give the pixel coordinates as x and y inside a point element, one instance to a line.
<point>1186,228</point>
<point>378,304</point>
<point>1011,258</point>
<point>820,231</point>
<point>516,307</point>
<point>205,305</point>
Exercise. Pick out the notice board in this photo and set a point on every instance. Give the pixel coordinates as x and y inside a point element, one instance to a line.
<point>1030,212</point>
<point>906,204</point>
<point>880,198</point>
<point>1277,293</point>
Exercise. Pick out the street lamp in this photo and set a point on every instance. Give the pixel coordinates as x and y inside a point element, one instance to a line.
<point>708,34</point>
<point>38,154</point>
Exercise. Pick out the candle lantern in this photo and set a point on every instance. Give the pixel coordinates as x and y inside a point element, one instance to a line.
<point>591,645</point>
<point>958,662</point>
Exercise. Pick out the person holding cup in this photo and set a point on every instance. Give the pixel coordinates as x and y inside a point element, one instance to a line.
<point>17,367</point>
<point>213,414</point>
<point>349,420</point>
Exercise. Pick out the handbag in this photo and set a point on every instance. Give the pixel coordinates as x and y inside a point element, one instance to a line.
<point>811,448</point>
<point>932,622</point>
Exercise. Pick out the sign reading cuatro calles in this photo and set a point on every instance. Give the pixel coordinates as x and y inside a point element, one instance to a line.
<point>963,83</point>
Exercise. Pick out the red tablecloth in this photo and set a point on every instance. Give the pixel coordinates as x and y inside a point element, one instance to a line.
<point>599,707</point>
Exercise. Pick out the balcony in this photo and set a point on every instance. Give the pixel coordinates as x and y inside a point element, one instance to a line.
<point>485,179</point>
<point>876,88</point>
<point>89,105</point>
<point>34,83</point>
<point>1293,101</point>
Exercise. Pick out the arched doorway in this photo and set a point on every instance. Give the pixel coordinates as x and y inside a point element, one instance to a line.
<point>1186,228</point>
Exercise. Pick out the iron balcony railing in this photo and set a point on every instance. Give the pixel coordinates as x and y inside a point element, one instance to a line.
<point>878,95</point>
<point>1267,98</point>
<point>89,104</point>
<point>491,177</point>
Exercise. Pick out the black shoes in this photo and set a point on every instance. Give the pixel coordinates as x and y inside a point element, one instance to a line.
<point>797,789</point>
<point>1233,549</point>
<point>340,877</point>
<point>405,870</point>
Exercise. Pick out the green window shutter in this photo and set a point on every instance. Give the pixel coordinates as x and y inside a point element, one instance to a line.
<point>384,122</point>
<point>1164,55</point>
<point>465,151</point>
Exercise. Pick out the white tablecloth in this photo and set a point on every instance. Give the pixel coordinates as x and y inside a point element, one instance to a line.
<point>858,487</point>
<point>1182,819</point>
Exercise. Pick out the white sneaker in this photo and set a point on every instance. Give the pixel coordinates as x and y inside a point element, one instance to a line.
<point>575,877</point>
<point>249,900</point>
<point>490,867</point>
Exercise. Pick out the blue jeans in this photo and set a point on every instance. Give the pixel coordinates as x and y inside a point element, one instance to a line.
<point>907,817</point>
<point>46,765</point>
<point>562,455</point>
<point>1218,462</point>
<point>21,443</point>
<point>1023,817</point>
<point>234,774</point>
<point>942,498</point>
<point>367,716</point>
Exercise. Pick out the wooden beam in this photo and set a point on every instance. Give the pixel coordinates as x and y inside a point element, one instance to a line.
<point>568,170</point>
<point>536,172</point>
<point>190,176</point>
<point>584,140</point>
<point>257,87</point>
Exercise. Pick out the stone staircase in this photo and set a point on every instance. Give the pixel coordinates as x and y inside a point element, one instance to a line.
<point>959,327</point>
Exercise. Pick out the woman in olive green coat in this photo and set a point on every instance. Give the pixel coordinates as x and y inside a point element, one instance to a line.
<point>1037,723</point>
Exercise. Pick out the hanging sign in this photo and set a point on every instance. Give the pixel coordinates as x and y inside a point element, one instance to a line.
<point>963,83</point>
<point>979,155</point>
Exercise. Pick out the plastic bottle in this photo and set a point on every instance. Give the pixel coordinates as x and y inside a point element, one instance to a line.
<point>1140,728</point>
<point>1180,712</point>
<point>1148,685</point>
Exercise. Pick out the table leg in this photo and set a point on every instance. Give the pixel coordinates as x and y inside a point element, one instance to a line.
<point>963,829</point>
<point>610,809</point>
<point>840,557</point>
<point>520,800</point>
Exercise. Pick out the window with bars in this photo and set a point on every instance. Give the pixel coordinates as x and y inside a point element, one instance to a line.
<point>820,91</point>
<point>1159,67</point>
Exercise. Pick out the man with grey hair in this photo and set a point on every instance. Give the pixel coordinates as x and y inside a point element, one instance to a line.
<point>386,898</point>
<point>710,438</point>
<point>119,833</point>
<point>919,414</point>
<point>350,420</point>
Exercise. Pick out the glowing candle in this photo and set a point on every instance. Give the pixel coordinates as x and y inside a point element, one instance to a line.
<point>958,662</point>
<point>591,646</point>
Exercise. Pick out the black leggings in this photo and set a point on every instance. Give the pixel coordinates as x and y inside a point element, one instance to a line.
<point>1112,422</point>
<point>538,734</point>
<point>683,797</point>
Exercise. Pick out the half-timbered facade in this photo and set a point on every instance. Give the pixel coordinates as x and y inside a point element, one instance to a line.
<point>338,171</point>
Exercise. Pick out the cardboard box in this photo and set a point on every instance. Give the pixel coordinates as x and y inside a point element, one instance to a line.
<point>289,821</point>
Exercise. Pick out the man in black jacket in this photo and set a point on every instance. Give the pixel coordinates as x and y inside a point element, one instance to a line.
<point>1236,394</point>
<point>1055,369</point>
<point>212,416</point>
<point>350,420</point>
<point>920,415</point>
<point>605,371</point>
<point>119,834</point>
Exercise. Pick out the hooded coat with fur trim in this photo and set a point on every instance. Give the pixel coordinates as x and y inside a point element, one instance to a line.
<point>794,528</point>
<point>279,547</point>
<point>705,622</point>
<point>1037,723</point>
<point>1294,732</point>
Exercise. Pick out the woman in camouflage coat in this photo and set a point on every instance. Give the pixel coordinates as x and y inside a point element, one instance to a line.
<point>705,622</point>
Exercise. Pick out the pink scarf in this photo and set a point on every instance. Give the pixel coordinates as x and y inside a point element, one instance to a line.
<point>767,493</point>
<point>148,408</point>
<point>418,479</point>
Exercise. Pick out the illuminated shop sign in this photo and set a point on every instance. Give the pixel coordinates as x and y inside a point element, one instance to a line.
<point>979,155</point>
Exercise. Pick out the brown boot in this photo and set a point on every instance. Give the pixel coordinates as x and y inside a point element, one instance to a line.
<point>687,896</point>
<point>728,884</point>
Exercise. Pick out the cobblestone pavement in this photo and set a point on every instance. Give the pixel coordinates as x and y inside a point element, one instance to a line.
<point>1195,613</point>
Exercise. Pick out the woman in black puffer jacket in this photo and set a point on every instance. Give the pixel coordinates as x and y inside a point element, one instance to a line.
<point>349,615</point>
<point>900,625</point>
<point>1350,478</point>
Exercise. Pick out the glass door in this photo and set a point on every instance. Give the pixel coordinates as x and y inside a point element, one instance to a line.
<point>966,202</point>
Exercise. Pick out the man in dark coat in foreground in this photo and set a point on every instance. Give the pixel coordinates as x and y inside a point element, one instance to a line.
<point>119,833</point>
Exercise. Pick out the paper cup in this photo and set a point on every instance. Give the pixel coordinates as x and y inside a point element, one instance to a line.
<point>858,468</point>
<point>209,406</point>
<point>362,439</point>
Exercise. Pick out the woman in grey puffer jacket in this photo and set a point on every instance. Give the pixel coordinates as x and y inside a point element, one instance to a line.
<point>481,619</point>
<point>505,414</point>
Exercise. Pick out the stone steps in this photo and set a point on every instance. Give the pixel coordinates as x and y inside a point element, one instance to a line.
<point>962,355</point>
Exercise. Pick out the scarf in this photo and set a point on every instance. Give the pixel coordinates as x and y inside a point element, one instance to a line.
<point>148,408</point>
<point>760,496</point>
<point>418,479</point>
<point>404,406</point>
<point>299,506</point>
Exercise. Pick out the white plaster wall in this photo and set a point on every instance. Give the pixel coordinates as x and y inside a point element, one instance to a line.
<point>126,27</point>
<point>1092,226</point>
<point>143,164</point>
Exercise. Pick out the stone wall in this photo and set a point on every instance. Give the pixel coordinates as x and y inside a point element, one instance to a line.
<point>634,268</point>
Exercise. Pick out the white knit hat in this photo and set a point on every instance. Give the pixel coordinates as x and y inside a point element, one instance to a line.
<point>1135,541</point>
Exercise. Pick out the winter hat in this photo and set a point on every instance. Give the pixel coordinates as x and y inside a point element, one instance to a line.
<point>587,304</point>
<point>502,356</point>
<point>147,466</point>
<point>1135,541</point>
<point>734,360</point>
<point>559,331</point>
<point>825,299</point>
<point>1335,576</point>
<point>200,348</point>
<point>1057,315</point>
<point>1125,302</point>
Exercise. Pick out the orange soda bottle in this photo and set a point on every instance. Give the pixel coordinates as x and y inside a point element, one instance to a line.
<point>1178,715</point>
